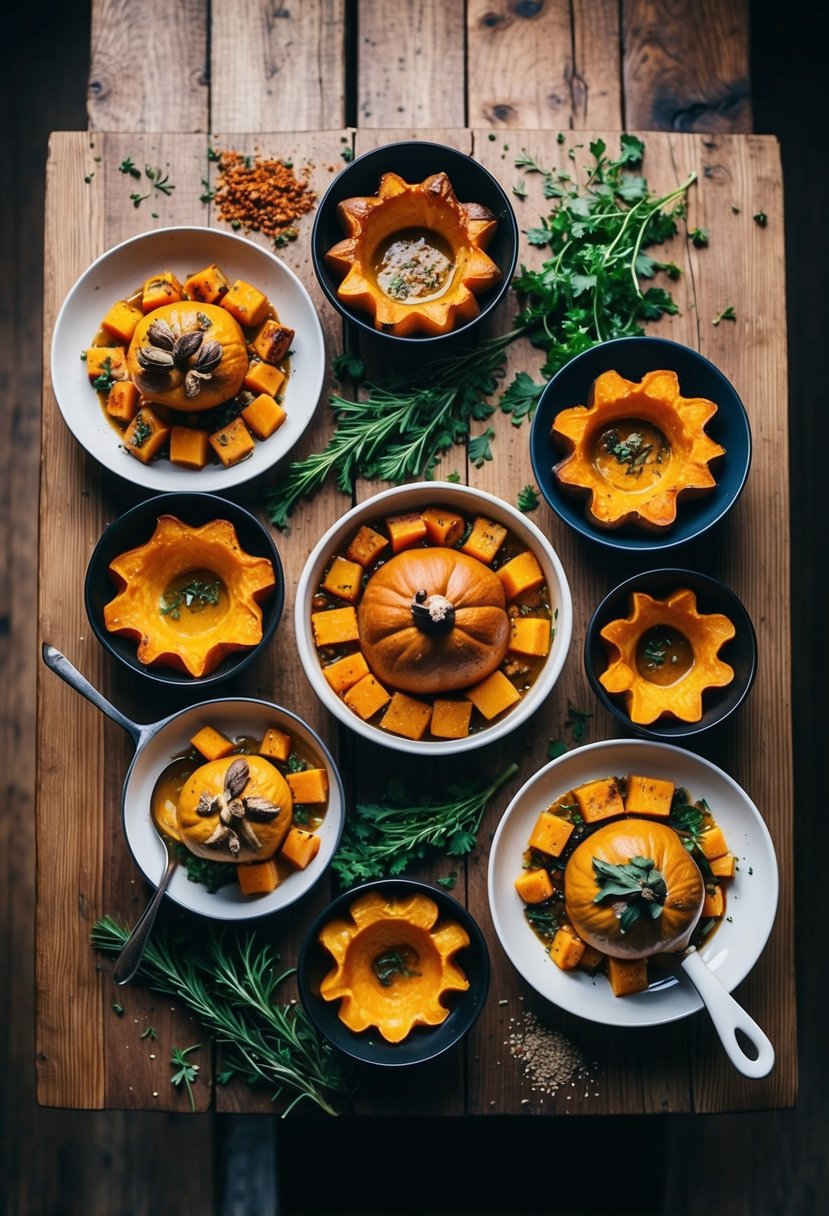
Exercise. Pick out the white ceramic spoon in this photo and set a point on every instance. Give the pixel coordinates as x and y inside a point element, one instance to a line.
<point>729,1017</point>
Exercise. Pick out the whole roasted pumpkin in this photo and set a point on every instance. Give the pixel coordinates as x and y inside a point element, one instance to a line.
<point>631,889</point>
<point>189,356</point>
<point>235,809</point>
<point>189,596</point>
<point>393,964</point>
<point>433,620</point>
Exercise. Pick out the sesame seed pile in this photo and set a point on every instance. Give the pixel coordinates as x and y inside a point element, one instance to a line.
<point>549,1059</point>
<point>260,195</point>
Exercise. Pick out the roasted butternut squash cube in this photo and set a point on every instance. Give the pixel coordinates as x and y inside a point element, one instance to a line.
<point>189,447</point>
<point>333,626</point>
<point>450,719</point>
<point>649,796</point>
<point>534,886</point>
<point>309,785</point>
<point>407,716</point>
<point>405,530</point>
<point>264,416</point>
<point>493,695</point>
<point>713,843</point>
<point>276,744</point>
<point>273,341</point>
<point>443,527</point>
<point>627,976</point>
<point>122,401</point>
<point>344,579</point>
<point>106,363</point>
<point>713,903</point>
<point>300,847</point>
<point>207,286</point>
<point>343,674</point>
<point>258,877</point>
<point>600,799</point>
<point>232,443</point>
<point>521,573</point>
<point>567,948</point>
<point>211,744</point>
<point>366,546</point>
<point>121,321</point>
<point>592,959</point>
<point>246,303</point>
<point>550,834</point>
<point>723,867</point>
<point>529,635</point>
<point>263,378</point>
<point>161,289</point>
<point>146,435</point>
<point>484,540</point>
<point>366,697</point>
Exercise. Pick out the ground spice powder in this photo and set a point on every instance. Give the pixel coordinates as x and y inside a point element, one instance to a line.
<point>260,195</point>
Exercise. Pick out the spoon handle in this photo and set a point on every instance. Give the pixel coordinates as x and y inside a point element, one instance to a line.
<point>129,960</point>
<point>729,1017</point>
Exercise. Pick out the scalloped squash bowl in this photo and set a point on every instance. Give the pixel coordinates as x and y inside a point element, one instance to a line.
<point>640,444</point>
<point>415,242</point>
<point>433,618</point>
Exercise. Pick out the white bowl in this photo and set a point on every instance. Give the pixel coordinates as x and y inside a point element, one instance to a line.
<point>171,738</point>
<point>470,501</point>
<point>730,952</point>
<point>118,273</point>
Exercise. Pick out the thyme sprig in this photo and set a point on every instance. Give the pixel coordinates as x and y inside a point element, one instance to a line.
<point>386,838</point>
<point>231,985</point>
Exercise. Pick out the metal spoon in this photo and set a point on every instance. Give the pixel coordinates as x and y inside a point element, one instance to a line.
<point>132,952</point>
<point>729,1017</point>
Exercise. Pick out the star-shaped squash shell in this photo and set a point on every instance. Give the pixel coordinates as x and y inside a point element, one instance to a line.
<point>401,208</point>
<point>647,700</point>
<point>636,482</point>
<point>408,995</point>
<point>192,638</point>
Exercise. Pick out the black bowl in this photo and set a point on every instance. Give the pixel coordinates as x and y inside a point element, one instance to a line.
<point>425,1042</point>
<point>415,160</point>
<point>712,596</point>
<point>135,527</point>
<point>632,358</point>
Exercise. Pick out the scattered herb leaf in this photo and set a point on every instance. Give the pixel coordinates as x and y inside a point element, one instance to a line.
<point>727,314</point>
<point>527,499</point>
<point>186,1072</point>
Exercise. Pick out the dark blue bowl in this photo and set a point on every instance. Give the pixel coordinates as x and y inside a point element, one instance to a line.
<point>414,160</point>
<point>712,596</point>
<point>425,1042</point>
<point>633,358</point>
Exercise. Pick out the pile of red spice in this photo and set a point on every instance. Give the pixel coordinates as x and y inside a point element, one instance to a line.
<point>260,195</point>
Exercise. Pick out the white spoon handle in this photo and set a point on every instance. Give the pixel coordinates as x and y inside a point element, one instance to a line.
<point>729,1017</point>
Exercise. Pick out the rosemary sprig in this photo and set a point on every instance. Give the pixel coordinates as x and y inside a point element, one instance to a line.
<point>231,985</point>
<point>386,838</point>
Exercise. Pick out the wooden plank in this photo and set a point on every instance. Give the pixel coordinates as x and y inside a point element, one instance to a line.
<point>147,70</point>
<point>410,64</point>
<point>686,65</point>
<point>277,67</point>
<point>551,66</point>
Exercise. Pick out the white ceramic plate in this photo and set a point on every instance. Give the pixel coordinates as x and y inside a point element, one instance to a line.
<point>233,717</point>
<point>752,894</point>
<point>471,501</point>
<point>120,272</point>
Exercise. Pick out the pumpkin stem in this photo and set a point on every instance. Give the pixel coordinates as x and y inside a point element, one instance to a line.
<point>432,613</point>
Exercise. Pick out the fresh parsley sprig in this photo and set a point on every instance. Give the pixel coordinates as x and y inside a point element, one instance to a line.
<point>186,1073</point>
<point>232,986</point>
<point>386,838</point>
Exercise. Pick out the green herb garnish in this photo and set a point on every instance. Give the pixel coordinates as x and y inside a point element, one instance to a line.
<point>128,166</point>
<point>727,314</point>
<point>104,381</point>
<point>389,965</point>
<point>187,1072</point>
<point>639,882</point>
<point>141,432</point>
<point>527,499</point>
<point>195,596</point>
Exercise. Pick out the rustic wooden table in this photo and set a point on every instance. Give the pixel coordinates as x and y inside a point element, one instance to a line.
<point>277,82</point>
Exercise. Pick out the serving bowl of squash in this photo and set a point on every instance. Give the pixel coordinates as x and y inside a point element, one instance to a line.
<point>640,444</point>
<point>671,653</point>
<point>187,359</point>
<point>185,589</point>
<point>614,861</point>
<point>433,618</point>
<point>394,972</point>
